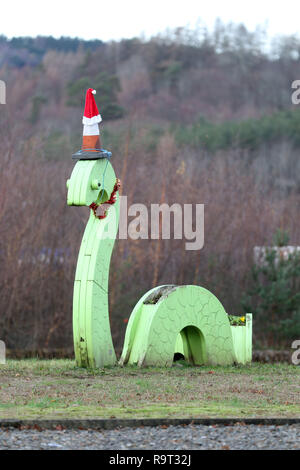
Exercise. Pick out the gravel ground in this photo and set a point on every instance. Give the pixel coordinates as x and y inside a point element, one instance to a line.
<point>157,438</point>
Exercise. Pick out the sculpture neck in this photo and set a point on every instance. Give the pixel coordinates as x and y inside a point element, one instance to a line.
<point>92,335</point>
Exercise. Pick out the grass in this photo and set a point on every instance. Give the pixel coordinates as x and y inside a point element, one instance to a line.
<point>58,389</point>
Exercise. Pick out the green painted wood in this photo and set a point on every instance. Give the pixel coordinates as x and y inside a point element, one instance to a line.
<point>91,329</point>
<point>192,312</point>
<point>130,334</point>
<point>167,319</point>
<point>242,340</point>
<point>248,340</point>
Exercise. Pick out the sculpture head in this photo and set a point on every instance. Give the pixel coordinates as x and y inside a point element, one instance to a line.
<point>90,181</point>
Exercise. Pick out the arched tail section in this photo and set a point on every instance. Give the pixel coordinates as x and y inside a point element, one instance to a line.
<point>188,320</point>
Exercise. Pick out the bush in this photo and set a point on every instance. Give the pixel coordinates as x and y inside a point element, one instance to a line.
<point>274,298</point>
<point>247,134</point>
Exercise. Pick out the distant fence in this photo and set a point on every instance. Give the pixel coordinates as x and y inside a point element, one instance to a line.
<point>45,255</point>
<point>281,253</point>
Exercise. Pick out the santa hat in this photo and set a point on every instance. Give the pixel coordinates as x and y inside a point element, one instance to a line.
<point>91,114</point>
<point>90,120</point>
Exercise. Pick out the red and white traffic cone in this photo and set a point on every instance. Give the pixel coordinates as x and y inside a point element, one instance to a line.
<point>91,136</point>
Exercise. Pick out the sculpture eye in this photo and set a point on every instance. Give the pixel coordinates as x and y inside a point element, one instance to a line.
<point>95,184</point>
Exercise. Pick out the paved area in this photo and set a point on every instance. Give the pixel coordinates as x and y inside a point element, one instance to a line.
<point>157,438</point>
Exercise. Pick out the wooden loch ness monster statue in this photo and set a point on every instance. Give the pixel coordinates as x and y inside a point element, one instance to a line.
<point>185,319</point>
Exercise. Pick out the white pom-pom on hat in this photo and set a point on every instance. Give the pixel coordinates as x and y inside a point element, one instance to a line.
<point>94,92</point>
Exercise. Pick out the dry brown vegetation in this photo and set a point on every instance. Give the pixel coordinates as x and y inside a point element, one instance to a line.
<point>40,235</point>
<point>40,238</point>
